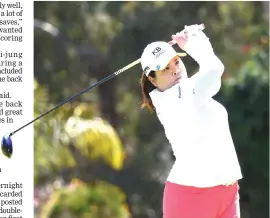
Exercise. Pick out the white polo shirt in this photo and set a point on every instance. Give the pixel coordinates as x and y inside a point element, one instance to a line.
<point>196,125</point>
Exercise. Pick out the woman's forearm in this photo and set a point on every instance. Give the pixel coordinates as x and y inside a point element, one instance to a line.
<point>207,81</point>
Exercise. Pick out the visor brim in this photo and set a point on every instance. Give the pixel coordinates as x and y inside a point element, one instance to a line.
<point>177,54</point>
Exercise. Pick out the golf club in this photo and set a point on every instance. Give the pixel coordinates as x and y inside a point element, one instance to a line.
<point>6,143</point>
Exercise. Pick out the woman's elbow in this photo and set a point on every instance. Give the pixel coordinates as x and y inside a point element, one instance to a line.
<point>217,66</point>
<point>216,87</point>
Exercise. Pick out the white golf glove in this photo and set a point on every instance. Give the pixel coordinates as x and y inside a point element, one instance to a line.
<point>198,44</point>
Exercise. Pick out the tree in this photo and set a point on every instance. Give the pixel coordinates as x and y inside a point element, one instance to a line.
<point>70,141</point>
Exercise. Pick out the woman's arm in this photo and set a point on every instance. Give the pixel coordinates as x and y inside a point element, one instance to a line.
<point>207,82</point>
<point>192,93</point>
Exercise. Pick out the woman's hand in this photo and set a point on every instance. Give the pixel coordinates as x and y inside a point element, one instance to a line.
<point>182,38</point>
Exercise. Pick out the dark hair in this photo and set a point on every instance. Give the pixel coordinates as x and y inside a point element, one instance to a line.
<point>146,88</point>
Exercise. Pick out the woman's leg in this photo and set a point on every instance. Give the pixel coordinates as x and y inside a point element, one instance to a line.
<point>230,203</point>
<point>189,202</point>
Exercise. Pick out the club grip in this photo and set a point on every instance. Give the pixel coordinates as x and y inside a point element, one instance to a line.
<point>201,27</point>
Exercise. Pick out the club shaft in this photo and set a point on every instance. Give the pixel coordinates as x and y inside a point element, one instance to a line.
<point>91,87</point>
<point>69,99</point>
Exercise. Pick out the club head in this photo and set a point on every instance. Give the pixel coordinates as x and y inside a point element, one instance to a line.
<point>6,146</point>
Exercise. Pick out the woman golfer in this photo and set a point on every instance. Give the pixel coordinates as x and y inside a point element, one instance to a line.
<point>203,183</point>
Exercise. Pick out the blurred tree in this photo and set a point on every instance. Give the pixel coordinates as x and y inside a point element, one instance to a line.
<point>83,200</point>
<point>246,97</point>
<point>73,130</point>
<point>74,140</point>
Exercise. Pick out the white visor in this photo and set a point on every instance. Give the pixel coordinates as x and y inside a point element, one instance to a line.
<point>157,55</point>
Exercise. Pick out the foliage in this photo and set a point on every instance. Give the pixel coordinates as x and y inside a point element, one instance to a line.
<point>249,124</point>
<point>75,127</point>
<point>83,200</point>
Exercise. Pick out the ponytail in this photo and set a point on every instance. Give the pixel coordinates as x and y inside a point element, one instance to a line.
<point>146,88</point>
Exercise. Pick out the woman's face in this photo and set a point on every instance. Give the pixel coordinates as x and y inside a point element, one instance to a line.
<point>171,75</point>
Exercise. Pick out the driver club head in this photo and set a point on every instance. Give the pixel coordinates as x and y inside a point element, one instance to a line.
<point>6,146</point>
